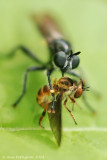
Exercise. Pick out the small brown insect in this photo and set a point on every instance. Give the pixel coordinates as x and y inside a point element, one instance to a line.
<point>64,88</point>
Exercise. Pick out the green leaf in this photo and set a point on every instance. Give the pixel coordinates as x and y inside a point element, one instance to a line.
<point>85,23</point>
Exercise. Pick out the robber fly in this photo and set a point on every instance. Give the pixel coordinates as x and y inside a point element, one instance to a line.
<point>64,89</point>
<point>61,51</point>
<point>61,56</point>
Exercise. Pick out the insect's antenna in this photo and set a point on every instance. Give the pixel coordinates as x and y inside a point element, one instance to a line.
<point>86,88</point>
<point>75,54</point>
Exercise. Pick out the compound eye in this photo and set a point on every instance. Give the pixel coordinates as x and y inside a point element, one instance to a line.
<point>75,61</point>
<point>60,59</point>
<point>83,83</point>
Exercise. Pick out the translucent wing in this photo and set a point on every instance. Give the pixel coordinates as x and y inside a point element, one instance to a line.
<point>56,120</point>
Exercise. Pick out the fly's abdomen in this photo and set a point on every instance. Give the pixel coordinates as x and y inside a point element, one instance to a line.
<point>43,96</point>
<point>48,27</point>
<point>52,33</point>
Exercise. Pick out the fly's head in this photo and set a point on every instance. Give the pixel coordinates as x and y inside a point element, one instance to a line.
<point>66,61</point>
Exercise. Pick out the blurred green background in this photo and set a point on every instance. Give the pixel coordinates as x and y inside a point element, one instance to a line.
<point>85,23</point>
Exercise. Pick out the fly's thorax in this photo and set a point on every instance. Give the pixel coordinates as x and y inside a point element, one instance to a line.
<point>61,45</point>
<point>61,49</point>
<point>65,82</point>
<point>64,85</point>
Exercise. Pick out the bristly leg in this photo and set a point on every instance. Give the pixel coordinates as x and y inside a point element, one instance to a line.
<point>87,104</point>
<point>51,89</point>
<point>42,116</point>
<point>72,73</point>
<point>26,51</point>
<point>25,82</point>
<point>73,101</point>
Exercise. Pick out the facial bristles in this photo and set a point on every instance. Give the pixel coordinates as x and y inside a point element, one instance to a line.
<point>73,87</point>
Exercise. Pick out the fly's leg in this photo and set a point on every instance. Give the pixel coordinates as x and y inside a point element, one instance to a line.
<point>73,101</point>
<point>25,82</point>
<point>62,73</point>
<point>42,116</point>
<point>83,96</point>
<point>74,74</point>
<point>96,93</point>
<point>26,51</point>
<point>87,104</point>
<point>69,111</point>
<point>51,90</point>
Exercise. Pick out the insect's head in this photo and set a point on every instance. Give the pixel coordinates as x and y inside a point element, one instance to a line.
<point>80,88</point>
<point>66,61</point>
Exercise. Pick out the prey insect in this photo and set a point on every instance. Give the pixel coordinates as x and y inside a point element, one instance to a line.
<point>61,55</point>
<point>64,89</point>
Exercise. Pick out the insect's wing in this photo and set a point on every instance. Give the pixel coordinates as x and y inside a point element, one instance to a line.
<point>48,27</point>
<point>56,120</point>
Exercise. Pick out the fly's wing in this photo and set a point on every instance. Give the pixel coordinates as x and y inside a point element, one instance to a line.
<point>55,119</point>
<point>48,27</point>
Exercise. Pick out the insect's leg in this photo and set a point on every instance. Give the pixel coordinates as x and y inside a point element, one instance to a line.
<point>73,101</point>
<point>42,116</point>
<point>87,104</point>
<point>63,74</point>
<point>95,92</point>
<point>26,51</point>
<point>51,90</point>
<point>83,96</point>
<point>25,82</point>
<point>69,111</point>
<point>74,74</point>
